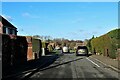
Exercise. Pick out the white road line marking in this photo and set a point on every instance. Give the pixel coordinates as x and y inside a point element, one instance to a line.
<point>92,62</point>
<point>107,65</point>
<point>99,61</point>
<point>27,74</point>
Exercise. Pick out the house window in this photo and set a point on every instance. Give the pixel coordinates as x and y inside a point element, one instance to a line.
<point>10,31</point>
<point>7,30</point>
<point>13,32</point>
<point>4,29</point>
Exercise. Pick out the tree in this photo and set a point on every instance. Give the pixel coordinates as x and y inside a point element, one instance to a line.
<point>43,38</point>
<point>37,36</point>
<point>72,45</point>
<point>93,37</point>
<point>89,45</point>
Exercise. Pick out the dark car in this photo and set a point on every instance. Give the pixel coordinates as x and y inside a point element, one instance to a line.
<point>82,50</point>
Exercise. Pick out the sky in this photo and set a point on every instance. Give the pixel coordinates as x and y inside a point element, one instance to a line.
<point>70,20</point>
<point>60,0</point>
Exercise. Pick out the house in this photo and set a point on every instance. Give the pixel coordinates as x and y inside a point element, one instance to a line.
<point>6,27</point>
<point>51,44</point>
<point>79,44</point>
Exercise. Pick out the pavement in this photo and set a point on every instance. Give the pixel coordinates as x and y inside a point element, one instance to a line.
<point>113,63</point>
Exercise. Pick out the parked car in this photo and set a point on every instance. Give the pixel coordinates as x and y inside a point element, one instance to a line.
<point>82,50</point>
<point>65,49</point>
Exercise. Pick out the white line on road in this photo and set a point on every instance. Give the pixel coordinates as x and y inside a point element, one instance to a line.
<point>92,62</point>
<point>107,65</point>
<point>99,61</point>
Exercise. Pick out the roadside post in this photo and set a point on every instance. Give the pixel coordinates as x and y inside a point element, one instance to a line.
<point>43,51</point>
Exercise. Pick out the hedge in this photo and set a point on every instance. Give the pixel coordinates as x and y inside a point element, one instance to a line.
<point>106,44</point>
<point>36,47</point>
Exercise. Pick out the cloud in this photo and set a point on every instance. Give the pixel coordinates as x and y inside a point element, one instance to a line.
<point>77,32</point>
<point>81,30</point>
<point>28,15</point>
<point>79,36</point>
<point>8,17</point>
<point>95,32</point>
<point>73,33</point>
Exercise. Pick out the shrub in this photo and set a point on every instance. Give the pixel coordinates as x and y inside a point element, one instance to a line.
<point>106,44</point>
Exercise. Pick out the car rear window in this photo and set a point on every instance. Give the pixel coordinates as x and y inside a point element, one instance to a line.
<point>82,47</point>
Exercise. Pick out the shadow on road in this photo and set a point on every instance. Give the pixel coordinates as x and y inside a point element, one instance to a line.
<point>49,67</point>
<point>32,65</point>
<point>68,53</point>
<point>84,55</point>
<point>89,55</point>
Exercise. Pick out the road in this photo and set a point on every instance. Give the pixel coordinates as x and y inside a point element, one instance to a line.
<point>75,67</point>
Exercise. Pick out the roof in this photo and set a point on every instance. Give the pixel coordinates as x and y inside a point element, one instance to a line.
<point>5,22</point>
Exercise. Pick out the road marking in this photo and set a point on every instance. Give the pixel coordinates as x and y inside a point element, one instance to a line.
<point>99,61</point>
<point>27,74</point>
<point>92,62</point>
<point>107,65</point>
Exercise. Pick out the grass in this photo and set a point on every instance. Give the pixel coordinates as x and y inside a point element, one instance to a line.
<point>72,51</point>
<point>56,51</point>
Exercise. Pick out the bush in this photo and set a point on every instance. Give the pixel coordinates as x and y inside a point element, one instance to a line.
<point>106,44</point>
<point>50,48</point>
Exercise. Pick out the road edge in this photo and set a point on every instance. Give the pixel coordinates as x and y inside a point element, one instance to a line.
<point>113,68</point>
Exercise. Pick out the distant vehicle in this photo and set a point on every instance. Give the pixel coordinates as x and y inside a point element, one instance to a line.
<point>65,49</point>
<point>82,50</point>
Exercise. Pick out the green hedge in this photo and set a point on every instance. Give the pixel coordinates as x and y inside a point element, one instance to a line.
<point>36,44</point>
<point>106,44</point>
<point>44,44</point>
<point>50,48</point>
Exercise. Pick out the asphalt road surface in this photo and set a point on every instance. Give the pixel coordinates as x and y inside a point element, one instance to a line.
<point>75,67</point>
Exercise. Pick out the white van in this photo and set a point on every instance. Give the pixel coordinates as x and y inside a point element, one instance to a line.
<point>65,49</point>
